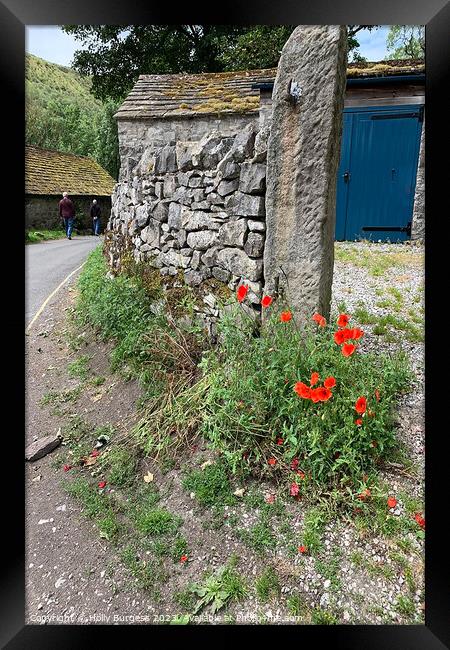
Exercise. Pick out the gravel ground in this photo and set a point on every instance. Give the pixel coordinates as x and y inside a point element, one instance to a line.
<point>74,577</point>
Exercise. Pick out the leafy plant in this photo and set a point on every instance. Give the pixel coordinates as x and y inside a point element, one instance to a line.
<point>251,402</point>
<point>79,367</point>
<point>157,522</point>
<point>267,585</point>
<point>219,589</point>
<point>211,485</point>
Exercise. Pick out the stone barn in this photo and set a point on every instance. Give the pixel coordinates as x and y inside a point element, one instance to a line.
<point>50,173</point>
<point>191,194</point>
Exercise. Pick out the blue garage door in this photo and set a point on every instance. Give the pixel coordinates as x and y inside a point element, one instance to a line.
<point>377,173</point>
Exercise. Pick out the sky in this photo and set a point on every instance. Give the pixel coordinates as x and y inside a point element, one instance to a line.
<point>49,42</point>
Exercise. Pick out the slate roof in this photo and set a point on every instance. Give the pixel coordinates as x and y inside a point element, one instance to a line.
<point>53,172</point>
<point>155,96</point>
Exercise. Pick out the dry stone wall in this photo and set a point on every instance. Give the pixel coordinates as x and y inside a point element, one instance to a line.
<point>198,207</point>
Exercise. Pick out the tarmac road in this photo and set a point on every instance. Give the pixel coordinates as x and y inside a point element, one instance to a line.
<point>48,263</point>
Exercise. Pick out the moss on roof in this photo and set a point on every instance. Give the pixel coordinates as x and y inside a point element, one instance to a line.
<point>156,96</point>
<point>54,172</point>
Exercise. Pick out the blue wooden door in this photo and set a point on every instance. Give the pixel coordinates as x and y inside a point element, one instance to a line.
<point>377,173</point>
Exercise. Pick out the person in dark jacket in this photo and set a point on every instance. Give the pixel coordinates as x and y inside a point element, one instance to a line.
<point>95,216</point>
<point>67,214</point>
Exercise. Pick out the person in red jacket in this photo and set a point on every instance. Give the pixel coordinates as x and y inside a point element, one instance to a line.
<point>67,214</point>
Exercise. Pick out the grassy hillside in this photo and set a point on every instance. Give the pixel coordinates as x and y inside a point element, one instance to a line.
<point>62,114</point>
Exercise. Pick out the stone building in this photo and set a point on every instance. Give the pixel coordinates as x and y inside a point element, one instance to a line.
<point>192,182</point>
<point>50,173</point>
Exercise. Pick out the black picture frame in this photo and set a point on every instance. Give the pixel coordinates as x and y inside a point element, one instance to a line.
<point>435,14</point>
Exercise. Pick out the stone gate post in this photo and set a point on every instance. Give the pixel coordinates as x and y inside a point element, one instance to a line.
<point>302,161</point>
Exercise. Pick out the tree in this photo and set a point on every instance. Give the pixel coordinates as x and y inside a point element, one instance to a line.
<point>106,151</point>
<point>116,55</point>
<point>406,42</point>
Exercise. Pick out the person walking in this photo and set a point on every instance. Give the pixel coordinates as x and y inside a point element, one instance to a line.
<point>95,216</point>
<point>67,214</point>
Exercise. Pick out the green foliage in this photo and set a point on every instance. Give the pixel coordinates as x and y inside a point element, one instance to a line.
<point>219,589</point>
<point>259,537</point>
<point>259,47</point>
<point>251,401</point>
<point>158,521</point>
<point>405,605</point>
<point>106,151</point>
<point>173,548</point>
<point>296,605</point>
<point>330,568</point>
<point>114,56</point>
<point>185,599</point>
<point>94,504</point>
<point>374,516</point>
<point>79,367</point>
<point>35,236</point>
<point>120,464</point>
<point>62,114</point>
<point>146,343</point>
<point>118,308</point>
<point>267,585</point>
<point>109,528</point>
<point>406,42</point>
<point>147,573</point>
<point>211,485</point>
<point>313,528</point>
<point>321,616</point>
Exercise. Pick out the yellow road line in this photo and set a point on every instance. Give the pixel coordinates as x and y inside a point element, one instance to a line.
<point>42,307</point>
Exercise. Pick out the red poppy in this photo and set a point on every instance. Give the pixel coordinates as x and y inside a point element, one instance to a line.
<point>183,559</point>
<point>315,397</point>
<point>102,484</point>
<point>67,467</point>
<point>324,394</point>
<point>364,494</point>
<point>420,520</point>
<point>343,319</point>
<point>280,441</point>
<point>294,490</point>
<point>314,379</point>
<point>348,349</point>
<point>294,464</point>
<point>348,334</point>
<point>285,316</point>
<point>272,461</point>
<point>302,390</point>
<point>361,405</point>
<point>320,320</point>
<point>339,337</point>
<point>302,549</point>
<point>95,452</point>
<point>356,333</point>
<point>329,382</point>
<point>358,422</point>
<point>392,502</point>
<point>266,301</point>
<point>242,292</point>
<point>377,395</point>
<point>270,498</point>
